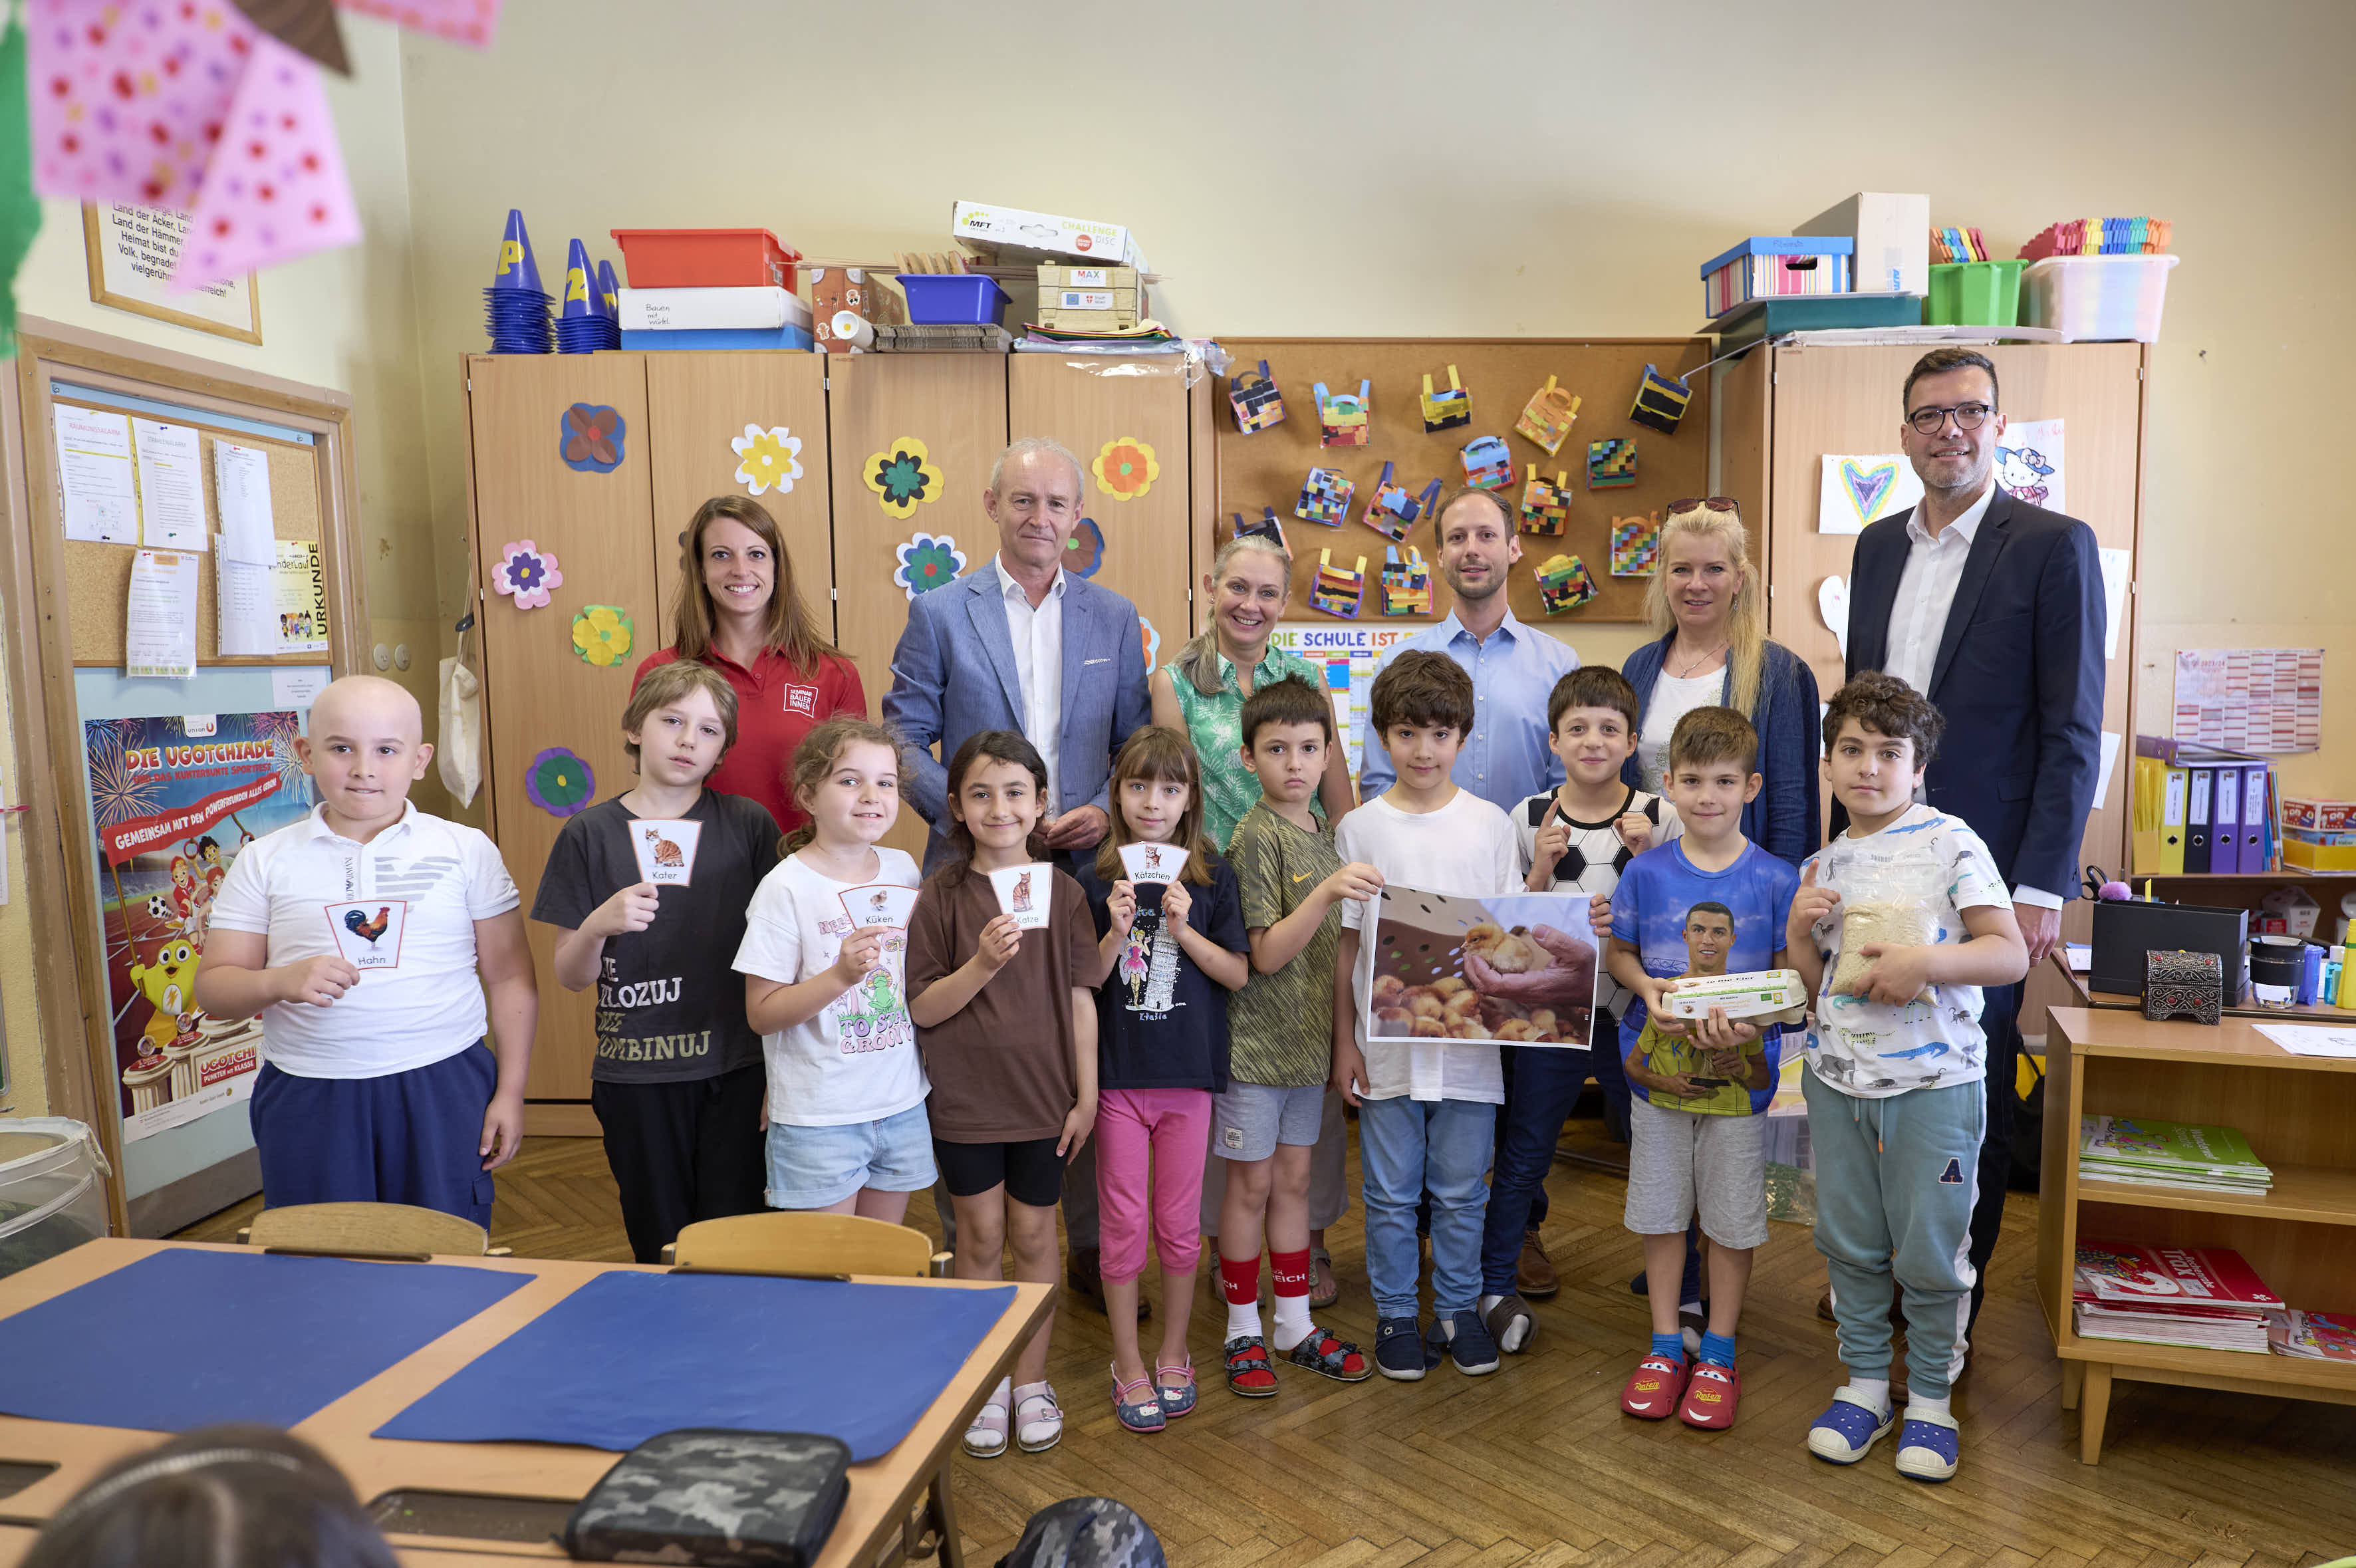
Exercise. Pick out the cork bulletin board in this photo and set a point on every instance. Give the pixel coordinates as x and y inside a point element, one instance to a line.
<point>97,577</point>
<point>1266,467</point>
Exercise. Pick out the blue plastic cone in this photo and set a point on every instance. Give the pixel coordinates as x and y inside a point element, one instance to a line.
<point>579,302</point>
<point>517,269</point>
<point>610,291</point>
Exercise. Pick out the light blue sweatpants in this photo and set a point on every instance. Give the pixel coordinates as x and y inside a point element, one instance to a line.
<point>1896,1179</point>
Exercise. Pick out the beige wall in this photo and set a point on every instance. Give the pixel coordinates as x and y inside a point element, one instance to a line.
<point>345,319</point>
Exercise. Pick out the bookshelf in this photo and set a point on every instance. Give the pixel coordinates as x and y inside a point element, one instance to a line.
<point>2299,1114</point>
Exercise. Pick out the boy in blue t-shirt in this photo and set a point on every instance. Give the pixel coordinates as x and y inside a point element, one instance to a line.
<point>1911,903</point>
<point>1710,902</point>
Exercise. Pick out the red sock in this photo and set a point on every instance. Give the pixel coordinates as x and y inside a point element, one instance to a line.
<point>1292,1270</point>
<point>1239,1278</point>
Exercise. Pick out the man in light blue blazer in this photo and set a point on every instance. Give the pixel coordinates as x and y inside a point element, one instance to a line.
<point>1021,644</point>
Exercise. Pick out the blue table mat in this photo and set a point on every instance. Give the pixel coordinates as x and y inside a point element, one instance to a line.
<point>630,1355</point>
<point>187,1338</point>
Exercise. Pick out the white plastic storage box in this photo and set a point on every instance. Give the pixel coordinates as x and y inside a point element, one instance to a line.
<point>52,1189</point>
<point>2096,298</point>
<point>1768,266</point>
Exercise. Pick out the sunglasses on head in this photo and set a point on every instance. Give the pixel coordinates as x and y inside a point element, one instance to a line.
<point>1715,503</point>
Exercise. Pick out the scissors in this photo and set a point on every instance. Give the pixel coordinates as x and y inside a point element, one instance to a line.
<point>2096,878</point>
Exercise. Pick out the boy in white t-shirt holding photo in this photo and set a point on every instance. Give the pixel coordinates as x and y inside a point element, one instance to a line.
<point>358,934</point>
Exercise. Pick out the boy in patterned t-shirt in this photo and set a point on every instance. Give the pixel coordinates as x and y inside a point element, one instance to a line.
<point>1281,1032</point>
<point>1895,1061</point>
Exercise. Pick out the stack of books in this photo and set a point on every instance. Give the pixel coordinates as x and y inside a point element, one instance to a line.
<point>2100,237</point>
<point>2316,1336</point>
<point>2205,1297</point>
<point>2147,1153</point>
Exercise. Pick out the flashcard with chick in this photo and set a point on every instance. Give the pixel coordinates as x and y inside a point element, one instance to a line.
<point>1521,968</point>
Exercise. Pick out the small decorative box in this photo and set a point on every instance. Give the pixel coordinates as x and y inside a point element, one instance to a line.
<point>2183,986</point>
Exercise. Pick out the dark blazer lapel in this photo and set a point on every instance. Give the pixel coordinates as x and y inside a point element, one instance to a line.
<point>1874,571</point>
<point>1995,532</point>
<point>987,610</point>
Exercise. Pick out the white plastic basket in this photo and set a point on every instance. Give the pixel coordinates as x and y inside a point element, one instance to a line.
<point>52,1193</point>
<point>2096,298</point>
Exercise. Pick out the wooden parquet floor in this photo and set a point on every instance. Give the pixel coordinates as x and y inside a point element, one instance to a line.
<point>1536,1467</point>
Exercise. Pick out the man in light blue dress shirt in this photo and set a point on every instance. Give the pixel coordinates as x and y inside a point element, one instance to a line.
<point>1505,759</point>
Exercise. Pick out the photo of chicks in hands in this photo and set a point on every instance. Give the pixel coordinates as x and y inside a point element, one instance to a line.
<point>1519,969</point>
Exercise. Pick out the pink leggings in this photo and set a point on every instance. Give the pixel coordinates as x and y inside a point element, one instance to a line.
<point>1174,1125</point>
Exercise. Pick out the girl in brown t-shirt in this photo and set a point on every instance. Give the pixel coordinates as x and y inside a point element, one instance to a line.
<point>1007,1022</point>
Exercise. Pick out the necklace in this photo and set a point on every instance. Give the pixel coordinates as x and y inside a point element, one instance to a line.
<point>1688,671</point>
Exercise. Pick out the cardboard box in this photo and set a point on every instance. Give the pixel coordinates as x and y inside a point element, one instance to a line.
<point>1893,240</point>
<point>1011,234</point>
<point>2318,816</point>
<point>1087,277</point>
<point>2301,852</point>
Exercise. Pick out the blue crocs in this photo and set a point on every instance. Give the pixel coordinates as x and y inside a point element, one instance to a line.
<point>1931,1446</point>
<point>1849,1428</point>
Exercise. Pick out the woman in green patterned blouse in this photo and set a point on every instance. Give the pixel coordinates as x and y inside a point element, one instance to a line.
<point>1201,692</point>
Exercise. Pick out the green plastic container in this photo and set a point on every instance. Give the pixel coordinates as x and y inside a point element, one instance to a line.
<point>1974,294</point>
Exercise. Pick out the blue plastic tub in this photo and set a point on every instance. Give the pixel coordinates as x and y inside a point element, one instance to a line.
<point>946,300</point>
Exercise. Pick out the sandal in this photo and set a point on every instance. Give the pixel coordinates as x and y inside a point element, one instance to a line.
<point>1175,1402</point>
<point>986,1438</point>
<point>1038,1419</point>
<point>1248,1373</point>
<point>1136,1414</point>
<point>1324,1284</point>
<point>1328,1357</point>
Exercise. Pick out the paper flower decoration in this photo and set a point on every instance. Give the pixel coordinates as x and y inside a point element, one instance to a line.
<point>1083,551</point>
<point>927,562</point>
<point>559,782</point>
<point>600,635</point>
<point>528,572</point>
<point>771,460</point>
<point>1125,469</point>
<point>590,439</point>
<point>901,478</point>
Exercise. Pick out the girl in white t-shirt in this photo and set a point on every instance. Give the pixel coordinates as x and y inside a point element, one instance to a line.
<point>822,959</point>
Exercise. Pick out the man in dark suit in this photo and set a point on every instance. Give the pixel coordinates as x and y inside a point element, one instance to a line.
<point>1994,609</point>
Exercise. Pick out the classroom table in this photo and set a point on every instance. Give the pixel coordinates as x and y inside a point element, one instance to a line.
<point>883,1494</point>
<point>2083,995</point>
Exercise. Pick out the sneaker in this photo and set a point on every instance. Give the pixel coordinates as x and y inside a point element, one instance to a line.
<point>1848,1428</point>
<point>1710,1396</point>
<point>1655,1387</point>
<point>1398,1350</point>
<point>1512,1324</point>
<point>1930,1446</point>
<point>1470,1345</point>
<point>1535,1277</point>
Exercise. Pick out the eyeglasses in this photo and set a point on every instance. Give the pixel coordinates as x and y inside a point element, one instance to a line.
<point>1969,416</point>
<point>1715,503</point>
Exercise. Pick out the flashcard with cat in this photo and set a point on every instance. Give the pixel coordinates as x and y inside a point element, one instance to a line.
<point>1025,892</point>
<point>1152,862</point>
<point>367,931</point>
<point>666,850</point>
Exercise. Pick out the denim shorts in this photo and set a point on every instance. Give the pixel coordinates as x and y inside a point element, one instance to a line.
<point>817,1167</point>
<point>1250,1120</point>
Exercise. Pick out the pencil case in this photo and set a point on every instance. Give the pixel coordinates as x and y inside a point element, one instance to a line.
<point>707,1495</point>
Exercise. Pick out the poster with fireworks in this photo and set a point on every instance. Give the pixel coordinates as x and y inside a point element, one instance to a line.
<point>174,806</point>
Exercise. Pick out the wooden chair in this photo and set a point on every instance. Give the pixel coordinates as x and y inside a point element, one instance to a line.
<point>382,1228</point>
<point>795,1243</point>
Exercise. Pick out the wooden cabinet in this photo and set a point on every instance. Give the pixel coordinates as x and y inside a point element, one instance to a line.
<point>1784,408</point>
<point>616,537</point>
<point>2299,1114</point>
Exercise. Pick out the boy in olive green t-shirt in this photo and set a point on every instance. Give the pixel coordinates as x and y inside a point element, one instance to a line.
<point>1281,1033</point>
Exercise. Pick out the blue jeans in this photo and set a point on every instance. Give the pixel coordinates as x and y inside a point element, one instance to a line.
<point>1544,1085</point>
<point>1404,1147</point>
<point>1896,1182</point>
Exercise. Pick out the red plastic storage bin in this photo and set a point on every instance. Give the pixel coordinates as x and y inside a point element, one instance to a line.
<point>706,258</point>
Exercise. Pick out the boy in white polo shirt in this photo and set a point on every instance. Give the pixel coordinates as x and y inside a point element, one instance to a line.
<point>358,934</point>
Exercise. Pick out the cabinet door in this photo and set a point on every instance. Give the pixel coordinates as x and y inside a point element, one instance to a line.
<point>537,692</point>
<point>1846,400</point>
<point>697,404</point>
<point>954,405</point>
<point>1147,557</point>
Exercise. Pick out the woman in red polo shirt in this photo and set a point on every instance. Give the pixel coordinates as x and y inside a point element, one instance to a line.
<point>740,613</point>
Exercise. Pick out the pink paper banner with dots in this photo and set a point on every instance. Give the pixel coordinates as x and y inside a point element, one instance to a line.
<point>276,189</point>
<point>129,100</point>
<point>461,21</point>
